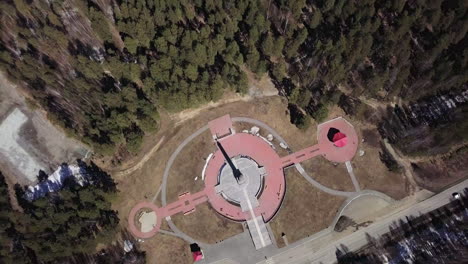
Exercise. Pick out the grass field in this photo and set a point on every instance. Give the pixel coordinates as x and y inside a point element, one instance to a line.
<point>370,172</point>
<point>332,175</point>
<point>206,225</point>
<point>305,209</point>
<point>188,166</point>
<point>166,249</point>
<point>143,183</point>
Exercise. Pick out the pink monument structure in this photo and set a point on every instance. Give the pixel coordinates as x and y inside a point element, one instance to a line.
<point>244,178</point>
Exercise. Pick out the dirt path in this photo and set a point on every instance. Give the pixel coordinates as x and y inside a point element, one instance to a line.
<point>185,115</point>
<point>406,166</point>
<point>142,161</point>
<point>438,156</point>
<point>178,119</point>
<point>373,103</point>
<point>258,88</point>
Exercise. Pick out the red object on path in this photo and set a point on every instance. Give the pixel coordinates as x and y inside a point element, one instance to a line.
<point>340,140</point>
<point>197,256</point>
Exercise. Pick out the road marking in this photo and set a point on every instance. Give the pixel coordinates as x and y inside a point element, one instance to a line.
<point>253,217</point>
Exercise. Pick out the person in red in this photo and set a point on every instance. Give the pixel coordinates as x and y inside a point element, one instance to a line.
<point>197,254</point>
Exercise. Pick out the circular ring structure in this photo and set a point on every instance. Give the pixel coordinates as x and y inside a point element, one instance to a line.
<point>252,179</point>
<point>131,219</point>
<point>329,150</point>
<point>269,198</point>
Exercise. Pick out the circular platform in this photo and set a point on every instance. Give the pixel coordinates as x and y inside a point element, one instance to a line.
<point>149,229</point>
<point>251,181</point>
<point>332,152</point>
<point>272,187</point>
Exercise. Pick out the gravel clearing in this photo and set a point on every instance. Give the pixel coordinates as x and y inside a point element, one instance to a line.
<point>11,149</point>
<point>29,142</point>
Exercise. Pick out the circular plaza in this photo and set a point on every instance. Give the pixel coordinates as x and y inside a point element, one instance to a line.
<point>262,173</point>
<point>251,181</point>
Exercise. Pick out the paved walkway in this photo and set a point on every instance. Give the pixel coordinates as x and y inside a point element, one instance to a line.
<point>349,168</point>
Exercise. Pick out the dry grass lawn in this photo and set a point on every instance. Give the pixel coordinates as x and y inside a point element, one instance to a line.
<point>166,249</point>
<point>206,225</point>
<point>332,175</point>
<point>305,209</point>
<point>189,165</point>
<point>242,126</point>
<point>438,173</point>
<point>371,172</point>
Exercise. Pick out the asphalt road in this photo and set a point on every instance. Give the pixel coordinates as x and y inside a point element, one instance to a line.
<point>309,252</point>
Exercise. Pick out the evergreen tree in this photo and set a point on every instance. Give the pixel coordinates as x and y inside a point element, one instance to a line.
<point>176,55</point>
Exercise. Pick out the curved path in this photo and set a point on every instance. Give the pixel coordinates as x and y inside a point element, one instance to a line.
<point>142,161</point>
<point>298,166</point>
<point>356,196</point>
<point>171,160</point>
<point>306,176</point>
<point>179,233</point>
<point>246,120</point>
